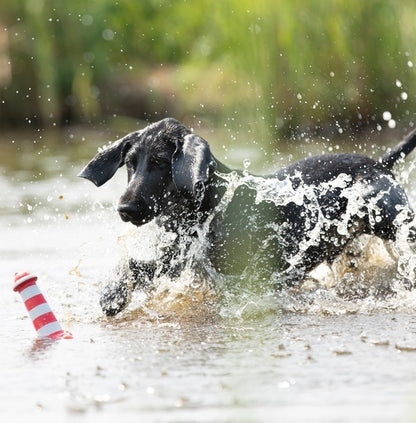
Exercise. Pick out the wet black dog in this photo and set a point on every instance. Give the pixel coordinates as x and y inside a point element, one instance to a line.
<point>173,177</point>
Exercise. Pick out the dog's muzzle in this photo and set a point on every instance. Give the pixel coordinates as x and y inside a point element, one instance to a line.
<point>134,213</point>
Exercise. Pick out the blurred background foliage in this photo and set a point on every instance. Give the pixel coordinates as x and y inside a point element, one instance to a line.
<point>262,69</point>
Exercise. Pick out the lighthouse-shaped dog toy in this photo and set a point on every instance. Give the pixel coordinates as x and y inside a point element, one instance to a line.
<point>40,313</point>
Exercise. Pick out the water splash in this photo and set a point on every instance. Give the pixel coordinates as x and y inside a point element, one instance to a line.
<point>370,275</point>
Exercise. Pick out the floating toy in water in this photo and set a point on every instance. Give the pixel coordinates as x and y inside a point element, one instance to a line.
<point>42,316</point>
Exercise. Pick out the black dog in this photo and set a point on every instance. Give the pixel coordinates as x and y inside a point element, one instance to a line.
<point>327,200</point>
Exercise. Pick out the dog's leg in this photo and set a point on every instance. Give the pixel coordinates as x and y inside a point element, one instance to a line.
<point>117,293</point>
<point>130,275</point>
<point>257,276</point>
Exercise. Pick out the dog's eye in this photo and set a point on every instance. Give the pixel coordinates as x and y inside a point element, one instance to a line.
<point>158,161</point>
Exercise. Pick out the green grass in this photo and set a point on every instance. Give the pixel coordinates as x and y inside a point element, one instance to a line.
<point>262,68</point>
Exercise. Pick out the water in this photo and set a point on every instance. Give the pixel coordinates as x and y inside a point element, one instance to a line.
<point>336,351</point>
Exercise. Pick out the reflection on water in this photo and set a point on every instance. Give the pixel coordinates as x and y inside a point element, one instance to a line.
<point>342,351</point>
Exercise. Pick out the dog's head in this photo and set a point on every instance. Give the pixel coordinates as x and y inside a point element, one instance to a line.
<point>165,162</point>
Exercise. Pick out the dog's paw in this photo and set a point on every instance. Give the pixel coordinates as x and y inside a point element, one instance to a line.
<point>115,298</point>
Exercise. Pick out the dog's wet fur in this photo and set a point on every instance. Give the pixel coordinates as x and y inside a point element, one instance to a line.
<point>174,178</point>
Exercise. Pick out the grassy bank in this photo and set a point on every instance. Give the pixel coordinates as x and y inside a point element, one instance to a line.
<point>265,69</point>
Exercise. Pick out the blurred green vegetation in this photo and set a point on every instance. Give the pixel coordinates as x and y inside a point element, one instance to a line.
<point>263,69</point>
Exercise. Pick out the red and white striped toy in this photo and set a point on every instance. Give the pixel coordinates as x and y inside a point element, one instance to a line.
<point>42,317</point>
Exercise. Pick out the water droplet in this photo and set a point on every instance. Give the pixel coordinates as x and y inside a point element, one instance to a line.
<point>386,116</point>
<point>108,34</point>
<point>392,123</point>
<point>87,20</point>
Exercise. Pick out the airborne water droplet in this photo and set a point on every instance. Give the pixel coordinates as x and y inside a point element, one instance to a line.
<point>391,123</point>
<point>386,116</point>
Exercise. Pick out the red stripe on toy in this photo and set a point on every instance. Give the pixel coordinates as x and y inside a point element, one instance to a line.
<point>44,320</point>
<point>34,301</point>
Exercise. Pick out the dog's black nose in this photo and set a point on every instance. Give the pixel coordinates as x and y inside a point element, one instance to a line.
<point>127,211</point>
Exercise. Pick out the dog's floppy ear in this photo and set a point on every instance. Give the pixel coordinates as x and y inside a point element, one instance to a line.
<point>105,164</point>
<point>192,164</point>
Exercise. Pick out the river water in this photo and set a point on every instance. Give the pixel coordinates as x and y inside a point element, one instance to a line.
<point>316,356</point>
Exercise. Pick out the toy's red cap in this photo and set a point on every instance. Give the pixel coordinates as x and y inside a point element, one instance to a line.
<point>22,277</point>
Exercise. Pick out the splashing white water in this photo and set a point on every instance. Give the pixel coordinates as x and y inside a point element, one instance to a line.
<point>369,275</point>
